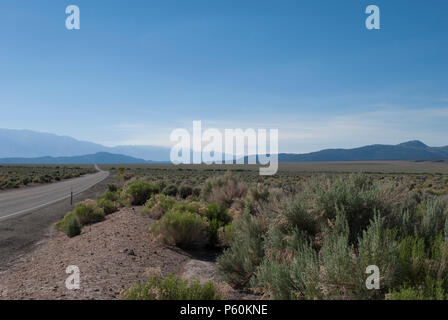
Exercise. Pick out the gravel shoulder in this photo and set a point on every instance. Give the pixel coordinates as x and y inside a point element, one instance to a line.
<point>19,235</point>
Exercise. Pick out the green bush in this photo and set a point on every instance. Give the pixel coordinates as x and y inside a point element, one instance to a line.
<point>217,218</point>
<point>181,228</point>
<point>238,264</point>
<point>224,190</point>
<point>112,188</point>
<point>172,288</point>
<point>108,206</point>
<point>185,191</point>
<point>111,196</point>
<point>72,227</point>
<point>433,217</point>
<point>431,289</point>
<point>86,212</point>
<point>170,190</point>
<point>140,192</point>
<point>158,205</point>
<point>187,206</point>
<point>289,277</point>
<point>196,192</point>
<point>358,196</point>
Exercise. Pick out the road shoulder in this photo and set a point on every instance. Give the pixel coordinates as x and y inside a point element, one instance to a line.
<point>19,235</point>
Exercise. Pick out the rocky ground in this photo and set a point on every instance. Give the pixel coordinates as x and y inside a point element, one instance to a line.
<point>111,256</point>
<point>19,235</point>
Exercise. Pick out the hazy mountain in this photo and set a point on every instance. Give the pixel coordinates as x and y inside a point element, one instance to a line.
<point>412,150</point>
<point>50,147</point>
<point>98,158</point>
<point>31,144</point>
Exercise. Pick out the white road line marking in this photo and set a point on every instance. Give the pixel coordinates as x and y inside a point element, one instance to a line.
<point>54,201</point>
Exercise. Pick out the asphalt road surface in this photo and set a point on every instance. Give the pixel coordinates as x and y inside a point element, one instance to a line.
<point>18,202</point>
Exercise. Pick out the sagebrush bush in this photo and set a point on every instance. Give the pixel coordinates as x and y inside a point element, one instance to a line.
<point>185,191</point>
<point>85,213</point>
<point>431,289</point>
<point>433,217</point>
<point>358,195</point>
<point>238,264</point>
<point>158,205</point>
<point>111,195</point>
<point>72,227</point>
<point>223,190</point>
<point>217,218</point>
<point>181,228</point>
<point>108,206</point>
<point>170,190</point>
<point>112,187</point>
<point>88,212</point>
<point>140,192</point>
<point>173,288</point>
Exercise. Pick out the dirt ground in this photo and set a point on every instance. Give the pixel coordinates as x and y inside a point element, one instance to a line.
<point>111,256</point>
<point>19,235</point>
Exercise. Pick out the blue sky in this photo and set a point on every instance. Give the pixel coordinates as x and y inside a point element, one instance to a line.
<point>139,69</point>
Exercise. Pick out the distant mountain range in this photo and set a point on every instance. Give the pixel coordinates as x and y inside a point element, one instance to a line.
<point>98,158</point>
<point>31,144</point>
<point>29,147</point>
<point>412,150</point>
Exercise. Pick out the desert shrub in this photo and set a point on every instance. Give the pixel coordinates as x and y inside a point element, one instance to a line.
<point>111,195</point>
<point>170,190</point>
<point>358,195</point>
<point>88,212</point>
<point>295,214</point>
<point>185,191</point>
<point>192,207</point>
<point>238,264</point>
<point>112,187</point>
<point>295,278</point>
<point>72,227</point>
<point>223,190</point>
<point>431,289</point>
<point>294,269</point>
<point>377,246</point>
<point>158,205</point>
<point>161,184</point>
<point>181,228</point>
<point>12,185</point>
<point>433,217</point>
<point>412,256</point>
<point>140,192</point>
<point>217,218</point>
<point>225,235</point>
<point>108,206</point>
<point>173,288</point>
<point>196,192</point>
<point>259,193</point>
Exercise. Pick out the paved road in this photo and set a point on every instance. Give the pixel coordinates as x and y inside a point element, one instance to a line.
<point>17,202</point>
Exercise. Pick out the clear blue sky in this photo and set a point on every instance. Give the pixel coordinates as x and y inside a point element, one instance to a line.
<point>138,69</point>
